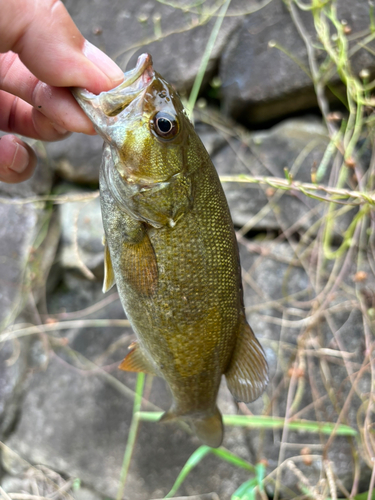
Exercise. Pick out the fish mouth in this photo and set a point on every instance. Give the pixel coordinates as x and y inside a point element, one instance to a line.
<point>136,80</point>
<point>101,108</point>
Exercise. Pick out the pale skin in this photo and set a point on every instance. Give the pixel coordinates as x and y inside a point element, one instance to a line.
<point>42,54</point>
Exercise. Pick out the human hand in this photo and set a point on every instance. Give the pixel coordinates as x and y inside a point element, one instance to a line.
<point>42,53</point>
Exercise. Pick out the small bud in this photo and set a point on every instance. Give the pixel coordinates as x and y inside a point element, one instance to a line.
<point>360,276</point>
<point>305,452</point>
<point>298,372</point>
<point>51,321</point>
<point>334,116</point>
<point>364,74</point>
<point>350,162</point>
<point>216,82</point>
<point>201,103</point>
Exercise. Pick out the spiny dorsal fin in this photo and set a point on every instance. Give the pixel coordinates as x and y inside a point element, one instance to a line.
<point>247,375</point>
<point>109,276</point>
<point>136,361</point>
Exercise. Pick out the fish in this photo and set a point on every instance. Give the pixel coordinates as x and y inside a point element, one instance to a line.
<point>171,250</point>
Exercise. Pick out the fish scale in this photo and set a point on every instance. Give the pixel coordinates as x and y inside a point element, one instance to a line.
<point>171,250</point>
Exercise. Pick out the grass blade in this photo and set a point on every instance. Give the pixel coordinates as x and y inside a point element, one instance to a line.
<point>194,459</point>
<point>265,422</point>
<point>132,435</point>
<point>247,490</point>
<point>206,57</point>
<point>233,459</point>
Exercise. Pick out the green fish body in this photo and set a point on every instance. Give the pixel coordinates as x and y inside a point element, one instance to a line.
<point>171,249</point>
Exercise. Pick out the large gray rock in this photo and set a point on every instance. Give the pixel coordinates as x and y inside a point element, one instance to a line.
<point>76,421</point>
<point>76,158</point>
<point>297,145</point>
<point>82,236</point>
<point>312,365</point>
<point>28,240</point>
<point>175,36</point>
<point>261,82</point>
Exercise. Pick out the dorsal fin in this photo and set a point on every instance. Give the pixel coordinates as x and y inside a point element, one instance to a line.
<point>247,375</point>
<point>109,276</point>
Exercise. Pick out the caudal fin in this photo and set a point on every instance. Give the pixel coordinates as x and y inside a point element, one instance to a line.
<point>208,428</point>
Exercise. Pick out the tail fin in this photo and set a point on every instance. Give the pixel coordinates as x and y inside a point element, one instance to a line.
<point>208,428</point>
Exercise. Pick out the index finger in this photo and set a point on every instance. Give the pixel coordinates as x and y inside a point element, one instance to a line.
<point>48,42</point>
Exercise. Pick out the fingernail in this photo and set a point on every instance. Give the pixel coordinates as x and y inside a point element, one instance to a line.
<point>103,62</point>
<point>20,159</point>
<point>60,130</point>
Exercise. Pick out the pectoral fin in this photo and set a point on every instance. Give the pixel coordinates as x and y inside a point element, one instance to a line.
<point>247,375</point>
<point>109,277</point>
<point>136,361</point>
<point>140,266</point>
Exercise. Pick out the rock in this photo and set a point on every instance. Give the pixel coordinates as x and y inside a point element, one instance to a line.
<point>175,36</point>
<point>261,83</point>
<point>308,372</point>
<point>77,158</point>
<point>28,242</point>
<point>209,496</point>
<point>83,493</point>
<point>295,144</point>
<point>82,236</point>
<point>77,421</point>
<point>25,261</point>
<point>31,480</point>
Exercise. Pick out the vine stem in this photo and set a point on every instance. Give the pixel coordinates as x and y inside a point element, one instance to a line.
<point>206,57</point>
<point>132,435</point>
<point>305,188</point>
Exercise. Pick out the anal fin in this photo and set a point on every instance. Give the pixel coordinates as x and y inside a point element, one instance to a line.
<point>247,375</point>
<point>136,361</point>
<point>109,276</point>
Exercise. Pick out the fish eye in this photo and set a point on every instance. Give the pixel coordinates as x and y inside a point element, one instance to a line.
<point>165,125</point>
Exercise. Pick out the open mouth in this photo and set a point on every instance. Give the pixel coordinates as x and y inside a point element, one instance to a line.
<point>112,102</point>
<point>115,100</point>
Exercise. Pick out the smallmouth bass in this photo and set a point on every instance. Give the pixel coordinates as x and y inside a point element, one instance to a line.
<point>171,249</point>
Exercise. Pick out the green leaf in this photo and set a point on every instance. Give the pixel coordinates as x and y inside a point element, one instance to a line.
<point>364,496</point>
<point>194,460</point>
<point>266,422</point>
<point>233,459</point>
<point>247,490</point>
